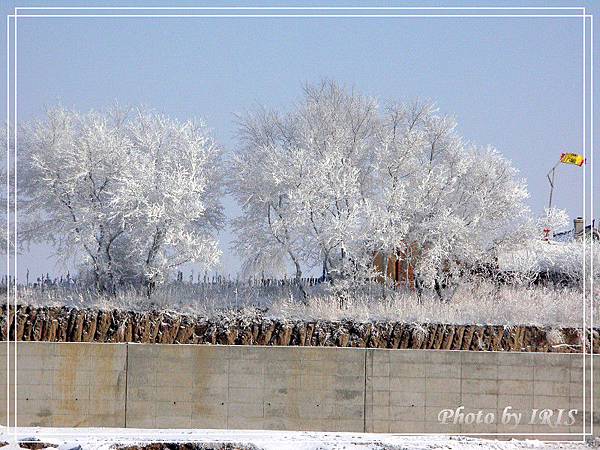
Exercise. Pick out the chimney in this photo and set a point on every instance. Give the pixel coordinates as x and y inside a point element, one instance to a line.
<point>578,228</point>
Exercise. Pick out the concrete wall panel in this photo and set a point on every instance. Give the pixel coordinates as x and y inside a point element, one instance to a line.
<point>65,384</point>
<point>407,390</point>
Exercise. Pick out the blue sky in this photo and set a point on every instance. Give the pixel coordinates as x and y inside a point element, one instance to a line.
<point>514,83</point>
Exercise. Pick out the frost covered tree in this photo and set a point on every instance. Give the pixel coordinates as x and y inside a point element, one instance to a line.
<point>336,180</point>
<point>171,195</point>
<point>263,173</point>
<point>132,192</point>
<point>552,220</point>
<point>6,229</point>
<point>450,202</point>
<point>335,131</point>
<point>304,180</point>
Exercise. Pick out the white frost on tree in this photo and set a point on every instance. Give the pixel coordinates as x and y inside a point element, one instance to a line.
<point>263,173</point>
<point>336,179</point>
<point>133,192</point>
<point>552,220</point>
<point>455,201</point>
<point>304,180</point>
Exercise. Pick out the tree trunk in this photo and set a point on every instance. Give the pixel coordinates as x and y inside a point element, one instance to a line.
<point>299,282</point>
<point>438,289</point>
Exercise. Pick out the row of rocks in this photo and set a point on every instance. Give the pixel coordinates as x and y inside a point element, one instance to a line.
<point>70,324</point>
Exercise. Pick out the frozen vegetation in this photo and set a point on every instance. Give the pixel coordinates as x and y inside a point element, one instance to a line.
<point>482,302</point>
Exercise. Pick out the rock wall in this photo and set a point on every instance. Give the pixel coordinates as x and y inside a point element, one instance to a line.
<point>70,324</point>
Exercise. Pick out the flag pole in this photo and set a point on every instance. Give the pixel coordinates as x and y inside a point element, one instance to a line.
<point>566,158</point>
<point>551,181</point>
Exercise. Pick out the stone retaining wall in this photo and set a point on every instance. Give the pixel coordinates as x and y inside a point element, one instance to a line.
<point>56,324</point>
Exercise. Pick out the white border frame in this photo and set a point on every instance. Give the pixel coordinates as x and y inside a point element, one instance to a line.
<point>583,14</point>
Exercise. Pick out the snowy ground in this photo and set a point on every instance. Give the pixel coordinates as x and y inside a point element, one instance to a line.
<point>105,438</point>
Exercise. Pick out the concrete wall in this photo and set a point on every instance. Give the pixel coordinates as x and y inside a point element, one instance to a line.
<point>406,390</point>
<point>243,387</point>
<point>70,385</point>
<point>308,388</point>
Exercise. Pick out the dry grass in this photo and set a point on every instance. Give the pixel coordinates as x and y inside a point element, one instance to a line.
<point>472,303</point>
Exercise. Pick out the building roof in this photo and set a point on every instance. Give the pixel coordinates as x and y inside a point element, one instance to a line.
<point>569,235</point>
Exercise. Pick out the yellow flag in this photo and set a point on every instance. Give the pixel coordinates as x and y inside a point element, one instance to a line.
<point>572,158</point>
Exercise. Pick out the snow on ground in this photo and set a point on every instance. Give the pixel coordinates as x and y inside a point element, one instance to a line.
<point>106,438</point>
